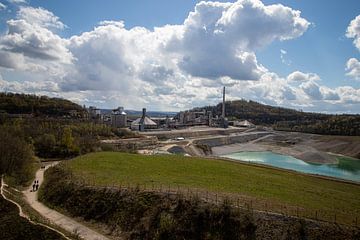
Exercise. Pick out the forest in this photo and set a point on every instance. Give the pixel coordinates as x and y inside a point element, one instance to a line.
<point>289,119</point>
<point>39,106</point>
<point>40,127</point>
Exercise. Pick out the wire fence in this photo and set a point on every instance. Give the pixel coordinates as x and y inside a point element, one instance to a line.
<point>259,205</point>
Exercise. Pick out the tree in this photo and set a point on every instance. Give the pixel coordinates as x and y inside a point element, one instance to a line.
<point>67,139</point>
<point>67,143</point>
<point>15,154</point>
<point>45,145</point>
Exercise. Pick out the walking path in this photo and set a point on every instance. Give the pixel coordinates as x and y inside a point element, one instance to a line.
<point>57,218</point>
<point>21,212</point>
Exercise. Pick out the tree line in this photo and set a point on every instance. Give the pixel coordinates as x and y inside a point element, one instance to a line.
<point>52,131</point>
<point>289,119</point>
<point>16,103</point>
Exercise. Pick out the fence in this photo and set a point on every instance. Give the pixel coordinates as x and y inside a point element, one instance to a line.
<point>256,205</point>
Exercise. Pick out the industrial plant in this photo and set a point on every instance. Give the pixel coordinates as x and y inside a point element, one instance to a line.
<point>118,118</point>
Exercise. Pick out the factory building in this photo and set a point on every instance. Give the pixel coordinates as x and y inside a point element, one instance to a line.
<point>203,117</point>
<point>95,114</point>
<point>118,118</point>
<point>143,123</point>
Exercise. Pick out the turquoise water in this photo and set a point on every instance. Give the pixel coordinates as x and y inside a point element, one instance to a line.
<point>346,168</point>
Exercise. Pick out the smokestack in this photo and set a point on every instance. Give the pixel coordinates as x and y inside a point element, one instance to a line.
<point>223,104</point>
<point>143,113</point>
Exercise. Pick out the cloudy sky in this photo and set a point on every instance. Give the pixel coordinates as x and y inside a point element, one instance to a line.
<point>174,55</point>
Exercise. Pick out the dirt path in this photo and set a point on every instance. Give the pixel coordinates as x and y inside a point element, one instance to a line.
<point>57,218</point>
<point>23,215</point>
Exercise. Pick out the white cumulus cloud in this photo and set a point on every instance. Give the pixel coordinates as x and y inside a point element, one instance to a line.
<point>298,76</point>
<point>219,39</point>
<point>168,68</point>
<point>353,31</point>
<point>40,16</point>
<point>353,68</point>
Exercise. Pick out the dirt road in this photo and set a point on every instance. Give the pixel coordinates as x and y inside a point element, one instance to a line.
<point>57,218</point>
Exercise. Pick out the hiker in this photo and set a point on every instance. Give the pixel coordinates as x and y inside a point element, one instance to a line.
<point>34,185</point>
<point>37,185</point>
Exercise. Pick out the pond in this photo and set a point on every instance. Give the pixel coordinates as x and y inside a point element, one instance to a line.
<point>347,168</point>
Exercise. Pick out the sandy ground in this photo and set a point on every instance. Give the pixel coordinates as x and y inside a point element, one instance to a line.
<point>307,147</point>
<point>305,153</point>
<point>298,145</point>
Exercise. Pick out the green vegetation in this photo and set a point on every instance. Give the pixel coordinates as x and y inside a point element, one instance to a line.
<point>130,213</point>
<point>53,127</point>
<point>14,227</point>
<point>16,155</point>
<point>14,103</point>
<point>289,119</point>
<point>145,215</point>
<point>272,185</point>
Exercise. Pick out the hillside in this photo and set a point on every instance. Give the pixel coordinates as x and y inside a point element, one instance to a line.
<point>43,106</point>
<point>14,227</point>
<point>177,172</point>
<point>289,119</point>
<point>150,197</point>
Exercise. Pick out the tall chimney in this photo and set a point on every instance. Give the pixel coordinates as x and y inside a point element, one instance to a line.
<point>143,113</point>
<point>223,104</point>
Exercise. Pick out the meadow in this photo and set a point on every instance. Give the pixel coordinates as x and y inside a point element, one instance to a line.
<point>266,188</point>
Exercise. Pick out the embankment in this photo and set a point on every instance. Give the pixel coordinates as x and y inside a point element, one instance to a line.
<point>227,140</point>
<point>134,214</point>
<point>130,144</point>
<point>14,227</point>
<point>205,145</point>
<point>193,132</point>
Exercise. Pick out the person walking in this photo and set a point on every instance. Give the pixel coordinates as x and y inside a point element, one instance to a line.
<point>34,185</point>
<point>37,185</point>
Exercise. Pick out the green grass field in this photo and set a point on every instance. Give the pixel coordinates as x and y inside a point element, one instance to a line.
<point>221,176</point>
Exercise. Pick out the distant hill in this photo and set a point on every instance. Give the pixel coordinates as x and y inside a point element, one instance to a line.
<point>289,119</point>
<point>14,103</point>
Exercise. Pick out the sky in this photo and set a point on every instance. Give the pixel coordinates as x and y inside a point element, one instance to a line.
<point>175,55</point>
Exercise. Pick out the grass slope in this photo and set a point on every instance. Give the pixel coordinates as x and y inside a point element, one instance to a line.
<point>311,193</point>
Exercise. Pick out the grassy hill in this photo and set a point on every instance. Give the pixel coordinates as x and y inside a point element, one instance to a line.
<point>266,188</point>
<point>289,119</point>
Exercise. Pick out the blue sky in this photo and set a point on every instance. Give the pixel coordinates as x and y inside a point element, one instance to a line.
<point>302,67</point>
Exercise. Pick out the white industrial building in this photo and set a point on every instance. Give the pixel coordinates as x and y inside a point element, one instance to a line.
<point>143,123</point>
<point>118,118</point>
